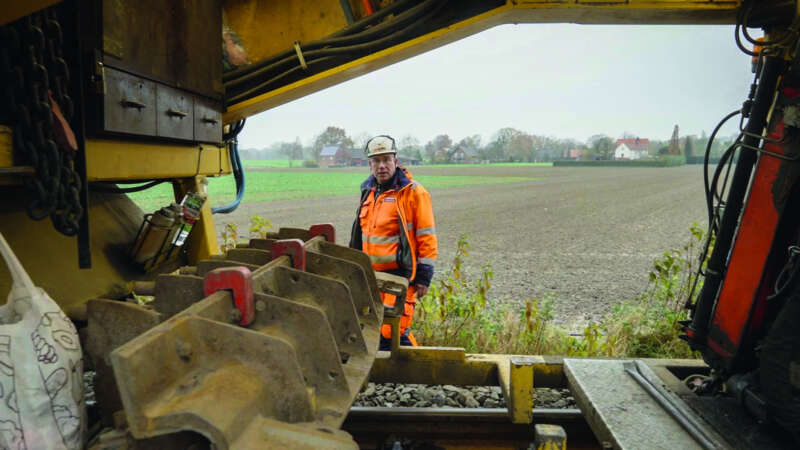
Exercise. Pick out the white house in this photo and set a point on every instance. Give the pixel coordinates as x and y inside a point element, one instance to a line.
<point>623,152</point>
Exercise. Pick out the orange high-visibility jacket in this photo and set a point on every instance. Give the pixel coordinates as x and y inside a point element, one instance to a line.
<point>397,231</point>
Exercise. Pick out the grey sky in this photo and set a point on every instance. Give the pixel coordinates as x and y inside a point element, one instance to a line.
<point>557,80</point>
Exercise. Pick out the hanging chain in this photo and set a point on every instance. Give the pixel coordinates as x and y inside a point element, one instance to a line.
<point>36,79</point>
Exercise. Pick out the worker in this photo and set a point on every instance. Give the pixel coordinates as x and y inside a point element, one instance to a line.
<point>394,226</point>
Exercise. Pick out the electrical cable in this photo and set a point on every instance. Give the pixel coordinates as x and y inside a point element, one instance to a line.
<point>709,145</point>
<point>417,16</point>
<point>745,16</point>
<point>236,166</point>
<point>346,36</point>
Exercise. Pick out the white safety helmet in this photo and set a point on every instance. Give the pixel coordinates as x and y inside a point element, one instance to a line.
<point>380,145</point>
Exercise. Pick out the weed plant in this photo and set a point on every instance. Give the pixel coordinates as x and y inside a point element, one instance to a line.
<point>458,312</point>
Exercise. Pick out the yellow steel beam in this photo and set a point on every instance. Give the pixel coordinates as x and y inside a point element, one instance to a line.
<point>286,20</point>
<point>202,241</point>
<point>514,11</point>
<point>435,365</point>
<point>14,9</point>
<point>115,160</point>
<point>6,146</point>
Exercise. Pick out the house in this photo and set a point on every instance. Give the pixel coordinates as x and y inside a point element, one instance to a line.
<point>464,155</point>
<point>334,155</point>
<point>576,153</point>
<point>408,160</point>
<point>631,148</point>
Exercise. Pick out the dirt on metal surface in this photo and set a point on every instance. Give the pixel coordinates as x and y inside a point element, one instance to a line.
<point>585,237</point>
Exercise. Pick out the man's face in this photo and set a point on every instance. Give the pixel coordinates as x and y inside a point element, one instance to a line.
<point>383,166</point>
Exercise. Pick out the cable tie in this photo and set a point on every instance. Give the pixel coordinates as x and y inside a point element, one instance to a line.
<point>300,55</point>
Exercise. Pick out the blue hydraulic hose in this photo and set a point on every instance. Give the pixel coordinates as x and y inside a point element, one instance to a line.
<point>238,171</point>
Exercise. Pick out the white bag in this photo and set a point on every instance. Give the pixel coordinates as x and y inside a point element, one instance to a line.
<point>41,369</point>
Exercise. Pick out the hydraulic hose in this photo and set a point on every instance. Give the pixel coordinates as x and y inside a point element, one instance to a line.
<point>112,188</point>
<point>346,45</point>
<point>330,40</point>
<point>236,166</point>
<point>351,50</point>
<point>717,264</point>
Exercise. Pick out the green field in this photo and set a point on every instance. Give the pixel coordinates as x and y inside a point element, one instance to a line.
<point>284,163</point>
<point>278,163</point>
<point>278,185</point>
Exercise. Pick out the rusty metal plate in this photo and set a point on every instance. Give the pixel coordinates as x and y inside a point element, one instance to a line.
<point>129,105</point>
<point>173,41</point>
<point>174,113</point>
<point>168,383</point>
<point>207,120</point>
<point>201,370</point>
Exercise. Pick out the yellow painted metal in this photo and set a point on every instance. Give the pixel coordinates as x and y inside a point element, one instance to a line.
<point>520,389</point>
<point>437,365</point>
<point>202,241</point>
<point>514,11</point>
<point>6,146</point>
<point>14,9</point>
<point>119,160</point>
<point>268,27</point>
<point>550,437</point>
<point>51,258</point>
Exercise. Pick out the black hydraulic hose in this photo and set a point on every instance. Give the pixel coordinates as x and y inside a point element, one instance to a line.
<point>346,37</point>
<point>113,189</point>
<point>261,87</point>
<point>741,177</point>
<point>709,194</point>
<point>236,167</point>
<point>352,50</point>
<point>411,16</point>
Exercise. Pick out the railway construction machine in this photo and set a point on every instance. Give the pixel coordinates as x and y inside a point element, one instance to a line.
<point>267,344</point>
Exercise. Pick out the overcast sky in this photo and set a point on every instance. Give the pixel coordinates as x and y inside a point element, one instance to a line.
<point>567,81</point>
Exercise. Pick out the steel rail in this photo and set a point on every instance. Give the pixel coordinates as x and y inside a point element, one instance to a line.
<point>375,427</point>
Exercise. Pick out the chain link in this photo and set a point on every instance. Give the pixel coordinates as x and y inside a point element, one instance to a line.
<point>34,74</point>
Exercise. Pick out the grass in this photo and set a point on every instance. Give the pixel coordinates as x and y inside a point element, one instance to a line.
<point>278,185</point>
<point>458,311</point>
<point>505,164</point>
<point>277,163</point>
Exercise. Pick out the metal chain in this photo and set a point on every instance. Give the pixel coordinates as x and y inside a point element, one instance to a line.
<point>34,71</point>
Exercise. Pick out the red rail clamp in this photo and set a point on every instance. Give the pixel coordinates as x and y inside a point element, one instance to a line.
<point>292,247</point>
<point>323,229</point>
<point>238,280</point>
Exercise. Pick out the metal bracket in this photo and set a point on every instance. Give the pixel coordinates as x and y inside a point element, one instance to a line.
<point>323,229</point>
<point>294,249</point>
<point>238,280</point>
<point>394,285</point>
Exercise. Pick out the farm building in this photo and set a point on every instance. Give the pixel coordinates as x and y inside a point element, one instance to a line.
<point>464,155</point>
<point>631,148</point>
<point>334,155</point>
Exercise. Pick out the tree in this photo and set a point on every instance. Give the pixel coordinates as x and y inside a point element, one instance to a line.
<point>520,147</point>
<point>292,150</point>
<point>410,146</point>
<point>436,149</point>
<point>331,136</point>
<point>602,147</point>
<point>498,149</point>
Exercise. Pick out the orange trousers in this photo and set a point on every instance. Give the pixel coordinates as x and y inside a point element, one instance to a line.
<point>408,313</point>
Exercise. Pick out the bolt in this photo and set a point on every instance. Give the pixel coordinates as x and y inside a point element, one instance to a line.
<point>235,316</point>
<point>261,305</point>
<point>184,350</point>
<point>351,338</point>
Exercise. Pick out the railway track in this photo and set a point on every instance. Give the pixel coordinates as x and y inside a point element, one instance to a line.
<point>459,428</point>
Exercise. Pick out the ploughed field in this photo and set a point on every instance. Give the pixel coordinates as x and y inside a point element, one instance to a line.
<point>583,237</point>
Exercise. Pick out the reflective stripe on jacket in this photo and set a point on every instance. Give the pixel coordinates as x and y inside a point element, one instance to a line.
<point>397,229</point>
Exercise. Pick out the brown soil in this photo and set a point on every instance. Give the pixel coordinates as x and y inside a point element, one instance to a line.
<point>585,237</point>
